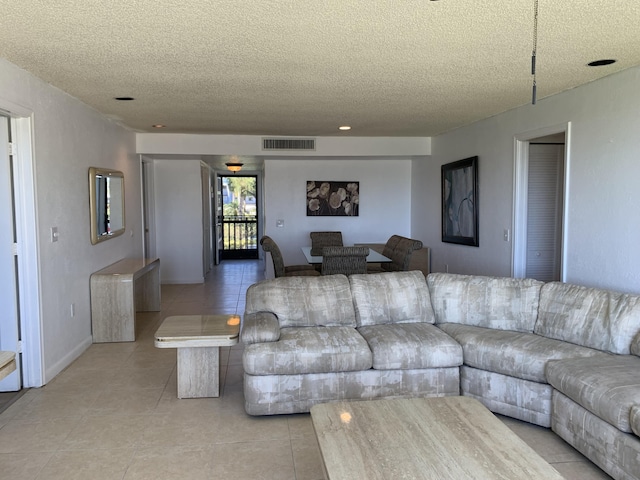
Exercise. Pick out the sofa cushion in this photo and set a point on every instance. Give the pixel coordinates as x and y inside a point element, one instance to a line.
<point>411,345</point>
<point>517,354</point>
<point>608,387</point>
<point>635,345</point>
<point>304,301</point>
<point>514,397</point>
<point>634,420</point>
<point>588,316</point>
<point>491,302</point>
<point>309,350</point>
<point>259,327</point>
<point>393,297</point>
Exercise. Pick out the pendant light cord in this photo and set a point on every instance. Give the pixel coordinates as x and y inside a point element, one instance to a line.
<point>535,49</point>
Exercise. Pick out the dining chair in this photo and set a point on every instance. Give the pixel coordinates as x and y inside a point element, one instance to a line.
<point>280,270</point>
<point>344,260</point>
<point>399,249</point>
<point>319,240</point>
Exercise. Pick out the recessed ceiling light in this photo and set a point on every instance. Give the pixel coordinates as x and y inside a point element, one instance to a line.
<point>124,99</point>
<point>601,63</point>
<point>158,125</point>
<point>344,127</point>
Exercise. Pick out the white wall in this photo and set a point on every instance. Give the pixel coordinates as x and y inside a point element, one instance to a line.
<point>425,202</point>
<point>178,219</point>
<point>603,177</point>
<point>195,144</point>
<point>385,202</point>
<point>68,138</point>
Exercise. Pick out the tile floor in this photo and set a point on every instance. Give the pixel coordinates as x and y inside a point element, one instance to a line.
<point>8,398</point>
<point>113,413</point>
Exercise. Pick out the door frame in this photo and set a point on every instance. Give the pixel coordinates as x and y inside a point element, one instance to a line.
<point>216,215</point>
<point>207,227</point>
<point>259,210</point>
<point>147,193</point>
<point>21,122</point>
<point>10,317</point>
<point>520,193</point>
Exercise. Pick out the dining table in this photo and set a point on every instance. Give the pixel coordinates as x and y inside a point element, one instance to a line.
<point>373,257</point>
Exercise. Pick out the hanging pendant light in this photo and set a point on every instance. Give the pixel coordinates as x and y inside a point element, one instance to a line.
<point>234,166</point>
<point>535,51</point>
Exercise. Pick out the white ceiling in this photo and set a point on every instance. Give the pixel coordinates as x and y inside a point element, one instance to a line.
<point>304,67</point>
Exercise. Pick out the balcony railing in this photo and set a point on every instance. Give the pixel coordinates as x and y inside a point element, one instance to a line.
<point>240,236</point>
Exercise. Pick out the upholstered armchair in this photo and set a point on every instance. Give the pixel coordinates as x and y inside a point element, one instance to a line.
<point>344,260</point>
<point>269,245</point>
<point>399,249</point>
<point>319,240</point>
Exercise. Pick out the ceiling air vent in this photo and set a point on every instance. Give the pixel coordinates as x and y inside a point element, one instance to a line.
<point>288,144</point>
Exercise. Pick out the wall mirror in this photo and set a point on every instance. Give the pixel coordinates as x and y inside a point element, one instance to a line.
<point>106,199</point>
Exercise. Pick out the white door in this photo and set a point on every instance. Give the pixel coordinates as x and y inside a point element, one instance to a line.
<point>9,329</point>
<point>148,209</point>
<point>218,235</point>
<point>207,245</point>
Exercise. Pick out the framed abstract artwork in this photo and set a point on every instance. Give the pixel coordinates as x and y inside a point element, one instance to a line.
<point>329,198</point>
<point>460,202</point>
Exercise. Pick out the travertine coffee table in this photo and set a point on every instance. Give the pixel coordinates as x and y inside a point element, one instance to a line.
<point>198,339</point>
<point>422,438</point>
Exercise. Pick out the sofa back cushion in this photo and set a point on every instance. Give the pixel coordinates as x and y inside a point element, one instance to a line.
<point>393,297</point>
<point>304,301</point>
<point>635,345</point>
<point>590,317</point>
<point>492,302</point>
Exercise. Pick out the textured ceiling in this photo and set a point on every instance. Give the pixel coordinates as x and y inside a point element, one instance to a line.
<point>304,67</point>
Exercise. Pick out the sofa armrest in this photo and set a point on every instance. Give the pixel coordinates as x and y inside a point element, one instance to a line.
<point>260,327</point>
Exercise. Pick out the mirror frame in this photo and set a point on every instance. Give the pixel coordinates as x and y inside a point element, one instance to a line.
<point>93,173</point>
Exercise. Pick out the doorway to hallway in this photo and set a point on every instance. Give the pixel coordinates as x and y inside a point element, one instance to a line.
<point>540,204</point>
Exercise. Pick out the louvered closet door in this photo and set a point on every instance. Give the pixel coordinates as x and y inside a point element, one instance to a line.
<point>544,211</point>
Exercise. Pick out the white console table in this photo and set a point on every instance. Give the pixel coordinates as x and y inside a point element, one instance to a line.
<point>117,291</point>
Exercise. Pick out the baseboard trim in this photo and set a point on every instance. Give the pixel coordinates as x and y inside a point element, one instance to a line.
<point>182,281</point>
<point>51,372</point>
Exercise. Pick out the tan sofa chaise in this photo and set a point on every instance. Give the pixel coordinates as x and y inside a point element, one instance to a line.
<point>557,355</point>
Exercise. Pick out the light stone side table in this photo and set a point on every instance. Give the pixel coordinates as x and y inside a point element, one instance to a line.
<point>198,339</point>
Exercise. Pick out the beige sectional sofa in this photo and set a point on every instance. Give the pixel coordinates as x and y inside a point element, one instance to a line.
<point>557,355</point>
